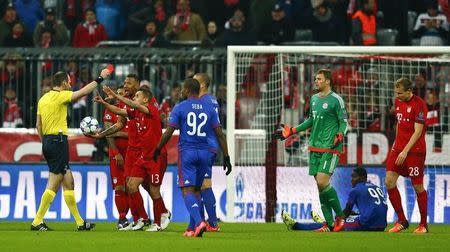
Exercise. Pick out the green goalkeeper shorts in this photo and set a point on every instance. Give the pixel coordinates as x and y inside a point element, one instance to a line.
<point>323,162</point>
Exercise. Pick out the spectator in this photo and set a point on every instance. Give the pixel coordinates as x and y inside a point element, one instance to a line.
<point>433,118</point>
<point>13,111</point>
<point>238,33</point>
<point>153,38</point>
<point>168,103</point>
<point>73,12</point>
<point>421,85</point>
<point>90,32</point>
<point>279,29</point>
<point>30,13</point>
<point>222,100</point>
<point>7,22</point>
<point>185,25</point>
<point>46,39</point>
<point>431,27</point>
<point>160,15</point>
<point>211,39</point>
<point>364,25</point>
<point>109,13</point>
<point>18,37</point>
<point>368,95</point>
<point>327,26</point>
<point>139,13</point>
<point>12,71</point>
<point>60,33</point>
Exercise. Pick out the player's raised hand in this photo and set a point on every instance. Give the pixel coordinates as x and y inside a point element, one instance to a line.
<point>98,99</point>
<point>227,165</point>
<point>156,154</point>
<point>284,132</point>
<point>109,92</point>
<point>338,138</point>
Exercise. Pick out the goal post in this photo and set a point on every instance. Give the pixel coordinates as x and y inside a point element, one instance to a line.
<point>267,85</point>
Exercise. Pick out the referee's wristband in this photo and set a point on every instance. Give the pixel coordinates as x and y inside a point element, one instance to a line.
<point>99,79</point>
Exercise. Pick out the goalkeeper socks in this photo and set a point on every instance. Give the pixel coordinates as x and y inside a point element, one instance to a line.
<point>193,207</point>
<point>137,205</point>
<point>333,200</point>
<point>422,200</point>
<point>46,200</point>
<point>326,209</point>
<point>210,205</point>
<point>306,226</point>
<point>396,201</point>
<point>158,209</point>
<point>121,199</point>
<point>69,198</point>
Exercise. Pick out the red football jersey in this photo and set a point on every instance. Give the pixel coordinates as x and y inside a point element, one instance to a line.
<point>408,113</point>
<point>133,139</point>
<point>148,128</point>
<point>121,143</point>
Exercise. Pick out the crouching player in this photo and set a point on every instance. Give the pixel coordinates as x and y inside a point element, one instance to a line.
<point>367,197</point>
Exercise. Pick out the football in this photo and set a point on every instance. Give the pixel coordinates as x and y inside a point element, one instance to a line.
<point>89,125</point>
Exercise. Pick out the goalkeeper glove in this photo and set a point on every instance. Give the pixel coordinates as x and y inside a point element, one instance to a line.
<point>338,139</point>
<point>227,165</point>
<point>284,132</point>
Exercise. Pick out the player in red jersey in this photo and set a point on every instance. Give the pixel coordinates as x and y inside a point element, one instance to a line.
<point>118,144</point>
<point>131,86</point>
<point>144,110</point>
<point>407,157</point>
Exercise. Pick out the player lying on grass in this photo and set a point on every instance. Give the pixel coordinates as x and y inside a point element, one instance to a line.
<point>368,198</point>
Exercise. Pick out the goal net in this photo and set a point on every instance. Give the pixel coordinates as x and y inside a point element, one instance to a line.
<point>270,85</point>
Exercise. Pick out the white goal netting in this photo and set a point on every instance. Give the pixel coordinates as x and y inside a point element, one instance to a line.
<point>269,85</point>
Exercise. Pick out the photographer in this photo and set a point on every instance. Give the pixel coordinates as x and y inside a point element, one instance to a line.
<point>50,23</point>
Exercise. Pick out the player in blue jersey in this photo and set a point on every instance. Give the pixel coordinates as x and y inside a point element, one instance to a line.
<point>207,193</point>
<point>195,120</point>
<point>368,198</point>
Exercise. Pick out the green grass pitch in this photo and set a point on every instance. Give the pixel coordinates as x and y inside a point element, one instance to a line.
<point>15,236</point>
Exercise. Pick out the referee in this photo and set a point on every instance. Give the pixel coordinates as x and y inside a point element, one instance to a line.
<point>51,124</point>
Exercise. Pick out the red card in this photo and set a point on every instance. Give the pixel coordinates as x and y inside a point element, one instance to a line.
<point>110,68</point>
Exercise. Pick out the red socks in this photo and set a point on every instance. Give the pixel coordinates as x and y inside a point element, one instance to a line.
<point>121,199</point>
<point>396,201</point>
<point>137,206</point>
<point>158,208</point>
<point>422,200</point>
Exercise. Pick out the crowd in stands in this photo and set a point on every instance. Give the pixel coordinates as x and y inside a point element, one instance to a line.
<point>217,23</point>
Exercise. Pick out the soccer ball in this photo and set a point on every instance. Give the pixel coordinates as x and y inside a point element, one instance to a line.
<point>89,125</point>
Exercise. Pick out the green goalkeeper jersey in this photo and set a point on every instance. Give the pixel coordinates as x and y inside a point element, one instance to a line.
<point>327,117</point>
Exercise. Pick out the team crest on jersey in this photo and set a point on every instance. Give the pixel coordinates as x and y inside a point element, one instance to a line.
<point>408,110</point>
<point>325,105</point>
<point>397,108</point>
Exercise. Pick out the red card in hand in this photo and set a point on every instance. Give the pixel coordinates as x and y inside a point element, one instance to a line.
<point>110,68</point>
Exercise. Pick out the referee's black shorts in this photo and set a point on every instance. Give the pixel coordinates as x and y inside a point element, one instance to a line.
<point>56,151</point>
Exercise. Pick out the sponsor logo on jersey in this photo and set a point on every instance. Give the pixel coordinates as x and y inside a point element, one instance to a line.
<point>108,117</point>
<point>325,105</point>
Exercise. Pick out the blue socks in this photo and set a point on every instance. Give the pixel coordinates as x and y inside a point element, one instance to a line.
<point>210,205</point>
<point>193,205</point>
<point>306,226</point>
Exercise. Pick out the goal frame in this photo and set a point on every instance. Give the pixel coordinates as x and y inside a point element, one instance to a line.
<point>331,50</point>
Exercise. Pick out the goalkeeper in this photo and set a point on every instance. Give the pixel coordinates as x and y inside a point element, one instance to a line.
<point>369,199</point>
<point>328,123</point>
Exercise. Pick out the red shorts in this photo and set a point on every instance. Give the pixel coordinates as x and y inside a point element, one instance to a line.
<point>117,172</point>
<point>133,155</point>
<point>152,172</point>
<point>412,167</point>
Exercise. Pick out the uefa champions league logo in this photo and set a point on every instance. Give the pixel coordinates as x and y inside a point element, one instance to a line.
<point>239,186</point>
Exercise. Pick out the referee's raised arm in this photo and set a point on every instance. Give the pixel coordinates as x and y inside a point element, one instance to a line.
<point>91,86</point>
